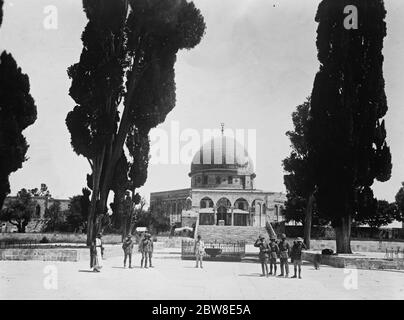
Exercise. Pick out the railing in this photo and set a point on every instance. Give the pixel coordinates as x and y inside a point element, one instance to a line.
<point>231,250</point>
<point>392,254</point>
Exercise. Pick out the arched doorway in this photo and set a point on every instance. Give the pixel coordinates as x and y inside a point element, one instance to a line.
<point>206,212</point>
<point>241,213</point>
<point>223,212</point>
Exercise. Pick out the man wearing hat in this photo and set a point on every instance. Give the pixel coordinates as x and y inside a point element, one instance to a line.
<point>264,254</point>
<point>273,254</point>
<point>147,249</point>
<point>127,247</point>
<point>150,250</point>
<point>284,251</point>
<point>296,255</point>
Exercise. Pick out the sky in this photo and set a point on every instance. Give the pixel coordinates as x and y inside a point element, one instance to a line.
<point>255,64</point>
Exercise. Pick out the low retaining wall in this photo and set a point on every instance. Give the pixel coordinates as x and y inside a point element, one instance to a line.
<point>171,242</point>
<point>40,254</point>
<point>359,245</point>
<point>354,261</point>
<point>58,237</point>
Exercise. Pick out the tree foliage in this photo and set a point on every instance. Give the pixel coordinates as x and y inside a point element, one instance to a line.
<point>299,176</point>
<point>346,135</point>
<point>55,217</point>
<point>43,191</point>
<point>385,214</point>
<point>77,214</point>
<point>1,11</point>
<point>17,112</point>
<point>20,210</point>
<point>136,40</point>
<point>399,201</point>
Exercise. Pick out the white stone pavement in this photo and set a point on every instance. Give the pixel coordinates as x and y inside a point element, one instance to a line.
<point>178,279</point>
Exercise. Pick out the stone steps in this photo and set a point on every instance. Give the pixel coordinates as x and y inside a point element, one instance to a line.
<point>36,225</point>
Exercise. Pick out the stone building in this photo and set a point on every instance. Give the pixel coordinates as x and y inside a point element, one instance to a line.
<point>223,201</point>
<point>38,220</point>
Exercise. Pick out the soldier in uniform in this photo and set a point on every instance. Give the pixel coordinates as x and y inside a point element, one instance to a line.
<point>127,247</point>
<point>273,254</point>
<point>263,255</point>
<point>296,255</point>
<point>147,249</point>
<point>150,251</point>
<point>141,250</point>
<point>284,251</point>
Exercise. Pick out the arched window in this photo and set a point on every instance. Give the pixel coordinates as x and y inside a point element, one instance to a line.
<point>241,204</point>
<point>206,202</point>
<point>223,212</point>
<point>38,211</point>
<point>224,202</point>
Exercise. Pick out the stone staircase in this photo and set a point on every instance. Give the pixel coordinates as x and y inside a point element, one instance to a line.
<point>231,233</point>
<point>36,225</point>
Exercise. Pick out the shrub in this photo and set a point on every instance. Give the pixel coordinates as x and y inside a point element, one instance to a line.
<point>44,240</point>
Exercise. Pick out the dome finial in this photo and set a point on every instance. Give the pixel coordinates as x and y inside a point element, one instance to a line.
<point>222,125</point>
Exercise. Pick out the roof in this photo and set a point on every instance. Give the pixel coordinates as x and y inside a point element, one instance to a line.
<point>222,153</point>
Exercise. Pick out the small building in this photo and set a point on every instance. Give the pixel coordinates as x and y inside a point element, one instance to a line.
<point>38,220</point>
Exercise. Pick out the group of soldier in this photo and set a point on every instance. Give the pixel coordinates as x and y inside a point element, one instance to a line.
<point>270,252</point>
<point>145,248</point>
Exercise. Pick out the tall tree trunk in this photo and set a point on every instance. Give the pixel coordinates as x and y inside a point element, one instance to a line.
<point>97,171</point>
<point>343,234</point>
<point>307,220</point>
<point>20,227</point>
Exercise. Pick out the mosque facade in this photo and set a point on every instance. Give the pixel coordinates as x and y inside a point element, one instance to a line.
<point>223,194</point>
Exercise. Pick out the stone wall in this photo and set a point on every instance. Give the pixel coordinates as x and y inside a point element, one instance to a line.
<point>57,237</point>
<point>359,245</point>
<point>230,233</point>
<point>40,254</point>
<point>355,261</point>
<point>188,221</point>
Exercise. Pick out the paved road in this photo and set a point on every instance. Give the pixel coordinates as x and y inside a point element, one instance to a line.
<point>177,279</point>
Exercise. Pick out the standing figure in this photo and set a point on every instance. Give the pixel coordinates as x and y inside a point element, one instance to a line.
<point>127,247</point>
<point>199,249</point>
<point>97,262</point>
<point>141,250</point>
<point>273,254</point>
<point>263,255</point>
<point>147,248</point>
<point>296,255</point>
<point>284,251</point>
<point>317,261</point>
<point>150,250</point>
<point>93,255</point>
